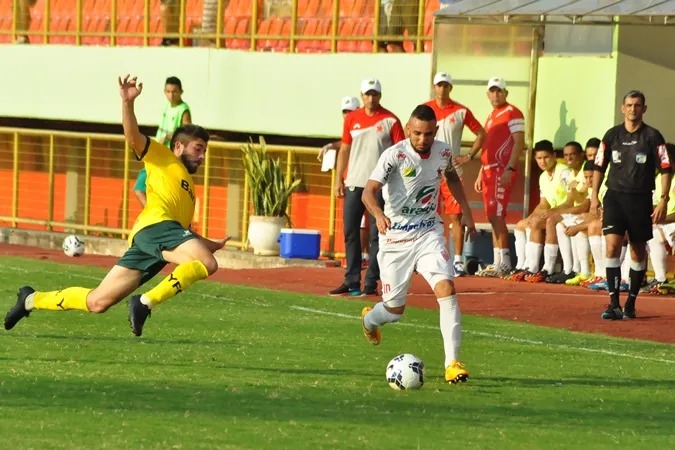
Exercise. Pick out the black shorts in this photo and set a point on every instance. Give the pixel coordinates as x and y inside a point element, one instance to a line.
<point>632,213</point>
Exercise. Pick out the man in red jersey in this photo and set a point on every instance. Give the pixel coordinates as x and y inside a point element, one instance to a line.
<point>505,141</point>
<point>367,132</point>
<point>451,118</point>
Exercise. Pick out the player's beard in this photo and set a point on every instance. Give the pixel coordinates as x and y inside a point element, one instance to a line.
<point>425,149</point>
<point>189,164</point>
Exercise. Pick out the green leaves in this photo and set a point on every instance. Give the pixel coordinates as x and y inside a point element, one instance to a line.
<point>269,189</point>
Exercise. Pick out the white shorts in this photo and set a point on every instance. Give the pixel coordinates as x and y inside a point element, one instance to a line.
<point>668,230</point>
<point>569,220</point>
<point>427,253</point>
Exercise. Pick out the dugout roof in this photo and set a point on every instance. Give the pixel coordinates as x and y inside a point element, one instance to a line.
<point>660,12</point>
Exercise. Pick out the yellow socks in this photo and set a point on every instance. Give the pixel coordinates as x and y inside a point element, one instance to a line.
<point>64,300</point>
<point>179,280</point>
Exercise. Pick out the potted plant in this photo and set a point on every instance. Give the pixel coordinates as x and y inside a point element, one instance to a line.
<point>270,193</point>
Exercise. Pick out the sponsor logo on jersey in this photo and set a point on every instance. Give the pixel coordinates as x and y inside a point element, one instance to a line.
<point>414,226</point>
<point>664,157</point>
<point>409,172</point>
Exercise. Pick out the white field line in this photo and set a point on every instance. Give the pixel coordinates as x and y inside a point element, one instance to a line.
<point>499,337</point>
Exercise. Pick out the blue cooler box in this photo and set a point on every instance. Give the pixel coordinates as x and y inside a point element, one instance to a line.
<point>299,243</point>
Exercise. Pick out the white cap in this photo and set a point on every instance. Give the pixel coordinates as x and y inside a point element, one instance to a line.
<point>496,82</point>
<point>371,84</point>
<point>349,103</point>
<point>442,77</point>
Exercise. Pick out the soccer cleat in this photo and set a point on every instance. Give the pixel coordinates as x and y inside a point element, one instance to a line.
<point>456,373</point>
<point>667,288</point>
<point>537,277</point>
<point>19,310</point>
<point>343,289</point>
<point>458,268</point>
<point>652,287</point>
<point>519,276</point>
<point>599,286</point>
<point>138,314</point>
<point>612,313</point>
<point>493,271</point>
<point>375,336</point>
<point>629,313</point>
<point>577,280</point>
<point>559,278</point>
<point>590,281</point>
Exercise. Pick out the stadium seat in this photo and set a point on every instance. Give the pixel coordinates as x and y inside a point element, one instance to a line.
<point>347,28</point>
<point>366,30</point>
<point>242,29</point>
<point>308,8</point>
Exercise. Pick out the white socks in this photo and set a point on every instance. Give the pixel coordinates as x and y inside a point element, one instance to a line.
<point>580,242</point>
<point>496,257</point>
<point>565,244</point>
<point>596,245</point>
<point>505,257</point>
<point>533,256</point>
<point>550,256</point>
<point>379,316</point>
<point>521,242</point>
<point>451,327</point>
<point>657,255</point>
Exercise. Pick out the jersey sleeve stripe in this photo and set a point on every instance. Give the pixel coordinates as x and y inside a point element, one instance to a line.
<point>145,149</point>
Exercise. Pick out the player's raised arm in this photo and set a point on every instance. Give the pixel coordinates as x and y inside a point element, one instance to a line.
<point>130,89</point>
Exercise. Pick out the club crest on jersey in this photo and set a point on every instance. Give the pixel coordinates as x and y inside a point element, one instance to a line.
<point>641,158</point>
<point>616,156</point>
<point>445,153</point>
<point>409,172</point>
<point>400,156</point>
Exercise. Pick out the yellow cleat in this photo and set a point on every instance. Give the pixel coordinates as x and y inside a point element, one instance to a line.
<point>577,280</point>
<point>375,336</point>
<point>455,373</point>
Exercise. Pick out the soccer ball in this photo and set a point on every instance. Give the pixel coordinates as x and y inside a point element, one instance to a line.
<point>405,372</point>
<point>73,246</point>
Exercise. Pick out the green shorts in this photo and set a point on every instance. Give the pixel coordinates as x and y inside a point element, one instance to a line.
<point>145,253</point>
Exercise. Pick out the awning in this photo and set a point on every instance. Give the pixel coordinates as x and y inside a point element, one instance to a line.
<point>560,11</point>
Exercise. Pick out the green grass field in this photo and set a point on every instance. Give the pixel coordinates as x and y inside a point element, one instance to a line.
<point>228,367</point>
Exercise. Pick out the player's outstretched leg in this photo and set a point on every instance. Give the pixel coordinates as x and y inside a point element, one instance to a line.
<point>182,277</point>
<point>373,318</point>
<point>19,310</point>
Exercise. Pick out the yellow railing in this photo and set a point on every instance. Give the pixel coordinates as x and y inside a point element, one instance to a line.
<point>257,25</point>
<point>60,181</point>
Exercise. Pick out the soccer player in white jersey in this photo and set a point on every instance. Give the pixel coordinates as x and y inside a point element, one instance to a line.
<point>411,235</point>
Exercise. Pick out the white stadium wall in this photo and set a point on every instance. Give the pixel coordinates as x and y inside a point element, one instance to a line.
<point>275,93</point>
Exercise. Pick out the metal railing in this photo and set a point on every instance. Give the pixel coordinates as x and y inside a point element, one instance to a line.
<point>256,25</point>
<point>83,182</point>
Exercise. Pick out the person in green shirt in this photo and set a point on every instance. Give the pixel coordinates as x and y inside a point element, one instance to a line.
<point>176,113</point>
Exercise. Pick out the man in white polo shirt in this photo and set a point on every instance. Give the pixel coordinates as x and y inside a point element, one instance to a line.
<point>367,132</point>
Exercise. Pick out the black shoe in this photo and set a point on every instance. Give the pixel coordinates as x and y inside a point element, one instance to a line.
<point>560,277</point>
<point>343,289</point>
<point>169,42</point>
<point>138,313</point>
<point>370,291</point>
<point>629,313</point>
<point>612,313</point>
<point>19,310</point>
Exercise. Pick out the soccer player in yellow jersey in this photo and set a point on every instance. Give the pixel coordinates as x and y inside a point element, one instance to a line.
<point>530,232</point>
<point>160,235</point>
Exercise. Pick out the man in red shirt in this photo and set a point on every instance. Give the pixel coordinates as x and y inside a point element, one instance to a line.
<point>503,145</point>
<point>367,132</point>
<point>451,118</point>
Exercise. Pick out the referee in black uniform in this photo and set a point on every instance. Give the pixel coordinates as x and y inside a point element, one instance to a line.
<point>636,152</point>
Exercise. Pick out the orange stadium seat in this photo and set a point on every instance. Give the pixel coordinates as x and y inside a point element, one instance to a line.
<point>241,29</point>
<point>367,30</point>
<point>284,44</point>
<point>326,8</point>
<point>347,28</point>
<point>308,8</point>
<point>346,7</point>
